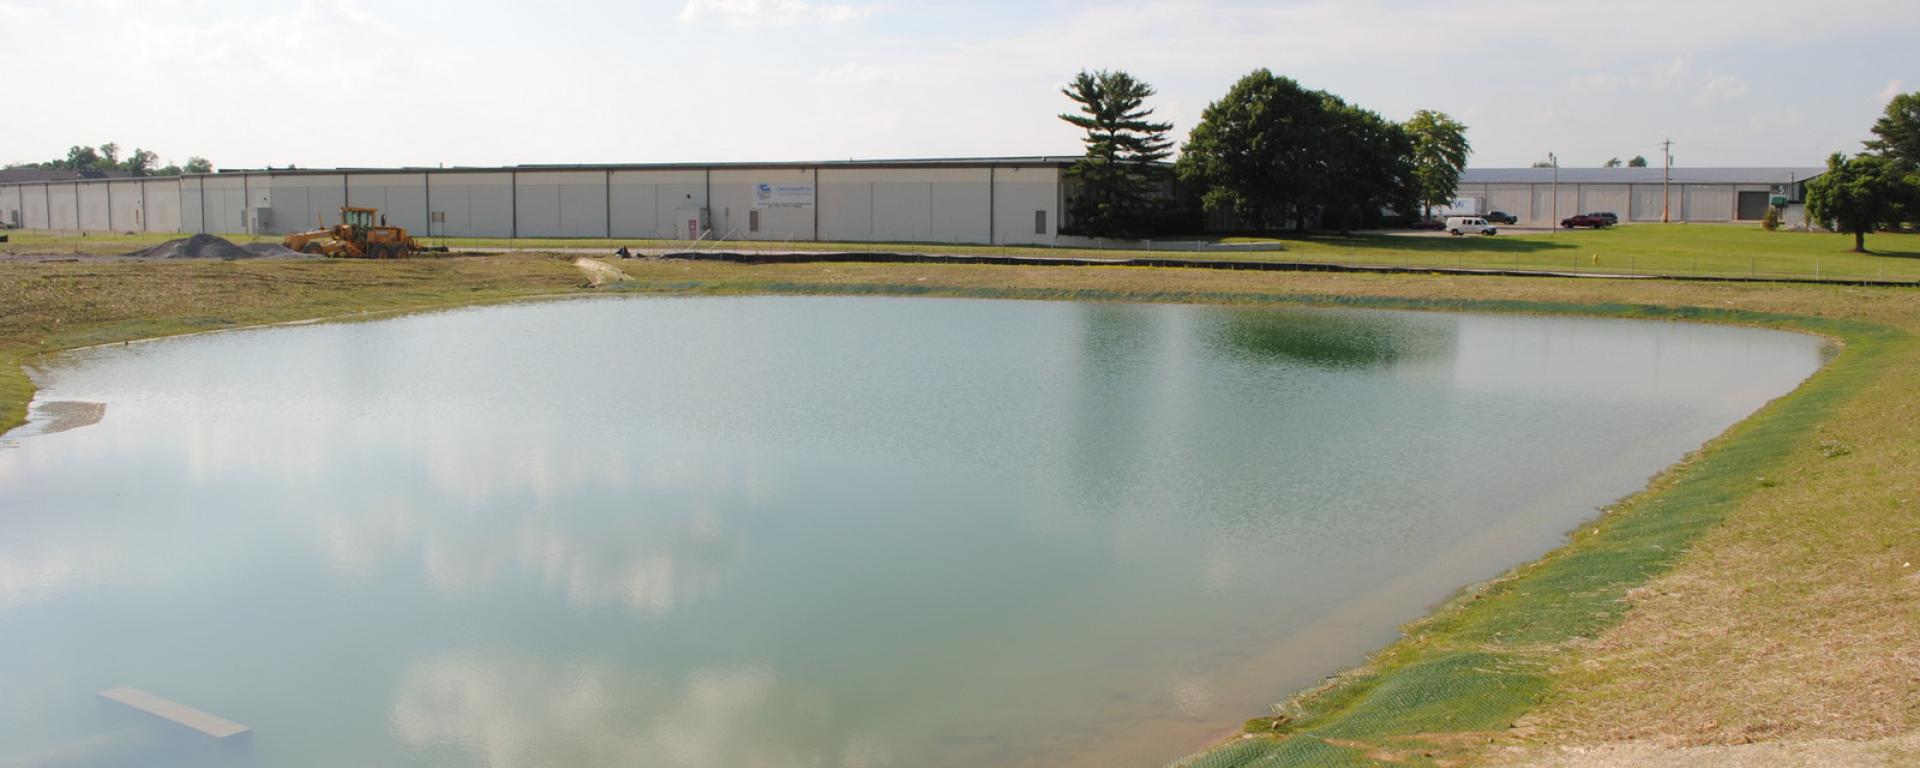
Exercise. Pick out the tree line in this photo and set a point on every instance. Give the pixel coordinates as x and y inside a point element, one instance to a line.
<point>1270,154</point>
<point>107,157</point>
<point>1879,187</point>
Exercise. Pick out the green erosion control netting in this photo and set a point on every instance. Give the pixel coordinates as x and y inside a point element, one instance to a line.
<point>1481,662</point>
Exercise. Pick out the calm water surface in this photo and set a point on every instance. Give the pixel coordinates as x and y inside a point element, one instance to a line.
<point>798,531</point>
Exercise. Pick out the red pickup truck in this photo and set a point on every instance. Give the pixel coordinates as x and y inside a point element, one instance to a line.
<point>1586,220</point>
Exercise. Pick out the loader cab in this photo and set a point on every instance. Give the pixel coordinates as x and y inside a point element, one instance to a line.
<point>357,219</point>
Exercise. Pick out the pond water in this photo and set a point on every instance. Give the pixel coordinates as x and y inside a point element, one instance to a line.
<point>785,531</point>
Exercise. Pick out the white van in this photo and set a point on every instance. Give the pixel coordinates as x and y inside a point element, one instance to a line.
<point>1460,225</point>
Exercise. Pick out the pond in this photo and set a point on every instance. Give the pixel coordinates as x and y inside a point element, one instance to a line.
<point>792,531</point>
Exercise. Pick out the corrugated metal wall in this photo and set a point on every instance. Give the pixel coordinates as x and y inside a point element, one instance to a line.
<point>35,207</point>
<point>560,204</point>
<point>475,204</point>
<point>161,197</point>
<point>1026,205</point>
<point>934,203</point>
<point>192,192</point>
<point>301,203</point>
<point>63,206</point>
<point>1709,202</point>
<point>11,211</point>
<point>93,206</point>
<point>1649,201</point>
<point>224,204</point>
<point>126,203</point>
<point>644,202</point>
<point>907,205</point>
<point>1516,199</point>
<point>732,208</point>
<point>1611,198</point>
<point>401,198</point>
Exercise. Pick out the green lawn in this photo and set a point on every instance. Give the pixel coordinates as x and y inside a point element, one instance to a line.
<point>1672,249</point>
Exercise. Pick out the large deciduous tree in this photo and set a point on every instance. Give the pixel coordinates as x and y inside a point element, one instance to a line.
<point>140,163</point>
<point>1117,176</point>
<point>106,157</point>
<point>1258,152</point>
<point>1638,161</point>
<point>80,158</point>
<point>1440,152</point>
<point>1369,166</point>
<point>1857,194</point>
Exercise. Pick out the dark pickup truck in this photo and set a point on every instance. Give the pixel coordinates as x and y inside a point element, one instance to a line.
<point>1502,217</point>
<point>1586,220</point>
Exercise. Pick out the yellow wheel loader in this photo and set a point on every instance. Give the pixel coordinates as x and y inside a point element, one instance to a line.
<point>358,237</point>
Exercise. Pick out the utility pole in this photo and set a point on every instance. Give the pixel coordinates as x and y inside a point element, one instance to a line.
<point>1553,219</point>
<point>1666,181</point>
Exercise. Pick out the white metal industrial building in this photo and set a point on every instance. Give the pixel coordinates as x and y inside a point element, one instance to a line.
<point>1012,200</point>
<point>1016,200</point>
<point>1636,194</point>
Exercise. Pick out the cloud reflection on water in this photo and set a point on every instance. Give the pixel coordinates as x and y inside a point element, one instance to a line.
<point>508,711</point>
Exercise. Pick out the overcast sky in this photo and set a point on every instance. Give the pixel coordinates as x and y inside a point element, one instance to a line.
<point>322,83</point>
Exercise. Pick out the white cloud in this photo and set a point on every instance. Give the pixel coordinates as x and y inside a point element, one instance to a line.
<point>857,73</point>
<point>770,13</point>
<point>18,13</point>
<point>1894,88</point>
<point>1675,76</point>
<point>875,79</point>
<point>1723,88</point>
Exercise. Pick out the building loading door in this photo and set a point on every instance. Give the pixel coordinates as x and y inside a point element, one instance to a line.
<point>1752,206</point>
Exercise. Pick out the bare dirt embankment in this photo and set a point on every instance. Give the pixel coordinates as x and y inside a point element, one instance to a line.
<point>599,272</point>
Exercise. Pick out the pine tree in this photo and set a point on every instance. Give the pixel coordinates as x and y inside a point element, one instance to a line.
<point>1117,176</point>
<point>1897,132</point>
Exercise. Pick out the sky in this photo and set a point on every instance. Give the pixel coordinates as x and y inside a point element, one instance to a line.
<point>359,83</point>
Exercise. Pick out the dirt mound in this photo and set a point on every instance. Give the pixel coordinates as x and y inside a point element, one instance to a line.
<point>274,251</point>
<point>211,247</point>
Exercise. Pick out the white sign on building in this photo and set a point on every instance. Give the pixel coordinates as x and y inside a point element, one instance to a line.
<point>783,195</point>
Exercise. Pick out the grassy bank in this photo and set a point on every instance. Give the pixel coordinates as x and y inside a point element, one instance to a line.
<point>1467,675</point>
<point>51,307</point>
<point>1761,591</point>
<point>1640,249</point>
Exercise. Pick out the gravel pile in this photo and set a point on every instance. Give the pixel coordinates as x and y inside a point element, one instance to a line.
<point>210,247</point>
